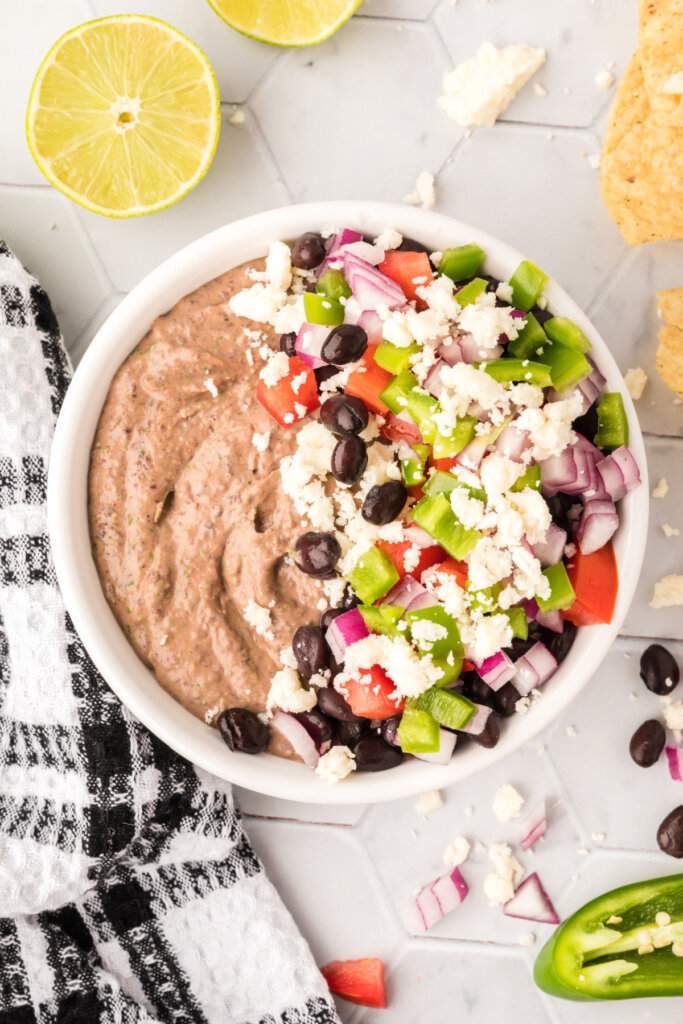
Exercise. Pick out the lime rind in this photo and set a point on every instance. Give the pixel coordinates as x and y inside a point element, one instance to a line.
<point>219,6</point>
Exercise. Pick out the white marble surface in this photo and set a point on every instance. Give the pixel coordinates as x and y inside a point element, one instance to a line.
<point>355,117</point>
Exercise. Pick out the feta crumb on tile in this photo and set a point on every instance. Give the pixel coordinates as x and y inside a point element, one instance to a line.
<point>499,886</point>
<point>457,852</point>
<point>261,441</point>
<point>662,488</point>
<point>259,619</point>
<point>237,117</point>
<point>482,87</point>
<point>673,715</point>
<point>211,387</point>
<point>668,592</point>
<point>425,191</point>
<point>428,802</point>
<point>598,837</point>
<point>539,89</point>
<point>595,161</point>
<point>670,531</point>
<point>635,380</point>
<point>507,803</point>
<point>336,764</point>
<point>469,811</point>
<point>570,730</point>
<point>527,939</point>
<point>604,79</point>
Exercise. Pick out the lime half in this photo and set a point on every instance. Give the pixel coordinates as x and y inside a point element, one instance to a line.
<point>286,22</point>
<point>124,115</point>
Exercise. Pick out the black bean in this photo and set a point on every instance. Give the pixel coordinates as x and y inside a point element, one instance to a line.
<point>316,554</point>
<point>287,343</point>
<point>333,704</point>
<point>504,700</point>
<point>310,650</point>
<point>559,505</point>
<point>477,690</point>
<point>349,459</point>
<point>659,669</point>
<point>243,730</point>
<point>344,414</point>
<point>344,344</point>
<point>559,644</point>
<point>389,728</point>
<point>670,833</point>
<point>647,743</point>
<point>308,250</point>
<point>323,373</point>
<point>374,755</point>
<point>410,245</point>
<point>348,733</point>
<point>319,727</point>
<point>328,617</point>
<point>384,502</point>
<point>542,315</point>
<point>490,734</point>
<point>588,423</point>
<point>350,598</point>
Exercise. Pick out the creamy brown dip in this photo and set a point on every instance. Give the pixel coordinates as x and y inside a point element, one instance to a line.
<point>188,520</point>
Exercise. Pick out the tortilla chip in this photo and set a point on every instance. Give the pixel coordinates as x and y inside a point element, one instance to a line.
<point>642,165</point>
<point>661,54</point>
<point>670,351</point>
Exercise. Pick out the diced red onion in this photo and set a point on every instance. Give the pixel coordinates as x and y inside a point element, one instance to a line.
<point>619,473</point>
<point>416,535</point>
<point>570,472</point>
<point>371,288</point>
<point>401,425</point>
<point>534,827</point>
<point>550,550</point>
<point>598,524</point>
<point>477,724</point>
<point>551,620</point>
<point>432,382</point>
<point>309,342</point>
<point>497,670</point>
<point>533,669</point>
<point>434,901</point>
<point>675,759</point>
<point>298,736</point>
<point>371,323</point>
<point>372,254</point>
<point>512,442</point>
<point>531,903</point>
<point>472,351</point>
<point>595,377</point>
<point>628,467</point>
<point>403,593</point>
<point>450,351</point>
<point>345,630</point>
<point>585,445</point>
<point>472,455</point>
<point>342,238</point>
<point>445,752</point>
<point>530,609</point>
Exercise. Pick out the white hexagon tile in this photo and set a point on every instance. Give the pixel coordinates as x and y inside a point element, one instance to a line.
<point>358,116</point>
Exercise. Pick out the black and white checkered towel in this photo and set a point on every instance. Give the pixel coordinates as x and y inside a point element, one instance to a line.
<point>129,892</point>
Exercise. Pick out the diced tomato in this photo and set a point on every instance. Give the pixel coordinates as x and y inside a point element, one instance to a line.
<point>467,665</point>
<point>595,579</point>
<point>416,491</point>
<point>445,465</point>
<point>367,380</point>
<point>369,695</point>
<point>397,429</point>
<point>284,403</point>
<point>397,553</point>
<point>455,568</point>
<point>358,981</point>
<point>404,268</point>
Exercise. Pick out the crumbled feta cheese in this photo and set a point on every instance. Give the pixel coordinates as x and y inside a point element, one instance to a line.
<point>249,356</point>
<point>486,321</point>
<point>304,473</point>
<point>275,369</point>
<point>670,531</point>
<point>287,693</point>
<point>527,939</point>
<point>482,87</point>
<point>468,510</point>
<point>261,441</point>
<point>390,238</point>
<point>211,387</point>
<point>550,428</point>
<point>500,886</point>
<point>598,837</point>
<point>237,117</point>
<point>210,714</point>
<point>279,266</point>
<point>662,489</point>
<point>428,802</point>
<point>336,764</point>
<point>499,473</point>
<point>425,633</point>
<point>436,257</point>
<point>539,89</point>
<point>595,160</point>
<point>297,381</point>
<point>604,79</point>
<point>425,192</point>
<point>504,292</point>
<point>491,633</point>
<point>522,705</point>
<point>410,673</point>
<point>570,730</point>
<point>635,380</point>
<point>673,715</point>
<point>457,852</point>
<point>507,803</point>
<point>668,592</point>
<point>259,619</point>
<point>411,557</point>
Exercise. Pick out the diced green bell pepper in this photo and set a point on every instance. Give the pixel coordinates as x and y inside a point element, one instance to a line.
<point>449,671</point>
<point>443,483</point>
<point>463,432</point>
<point>381,618</point>
<point>395,394</point>
<point>461,262</point>
<point>442,646</point>
<point>414,470</point>
<point>471,291</point>
<point>436,517</point>
<point>524,370</point>
<point>564,330</point>
<point>418,732</point>
<point>518,622</point>
<point>486,599</point>
<point>567,366</point>
<point>531,477</point>
<point>373,575</point>
<point>530,339</point>
<point>594,953</point>
<point>333,284</point>
<point>394,358</point>
<point>450,709</point>
<point>527,283</point>
<point>561,591</point>
<point>612,422</point>
<point>321,310</point>
<point>421,407</point>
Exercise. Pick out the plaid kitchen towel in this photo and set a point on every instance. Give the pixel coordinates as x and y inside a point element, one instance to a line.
<point>129,892</point>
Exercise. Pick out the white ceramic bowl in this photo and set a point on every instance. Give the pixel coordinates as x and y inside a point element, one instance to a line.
<point>68,522</point>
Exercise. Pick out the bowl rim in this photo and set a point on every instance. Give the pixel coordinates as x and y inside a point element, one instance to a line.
<point>131,681</point>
